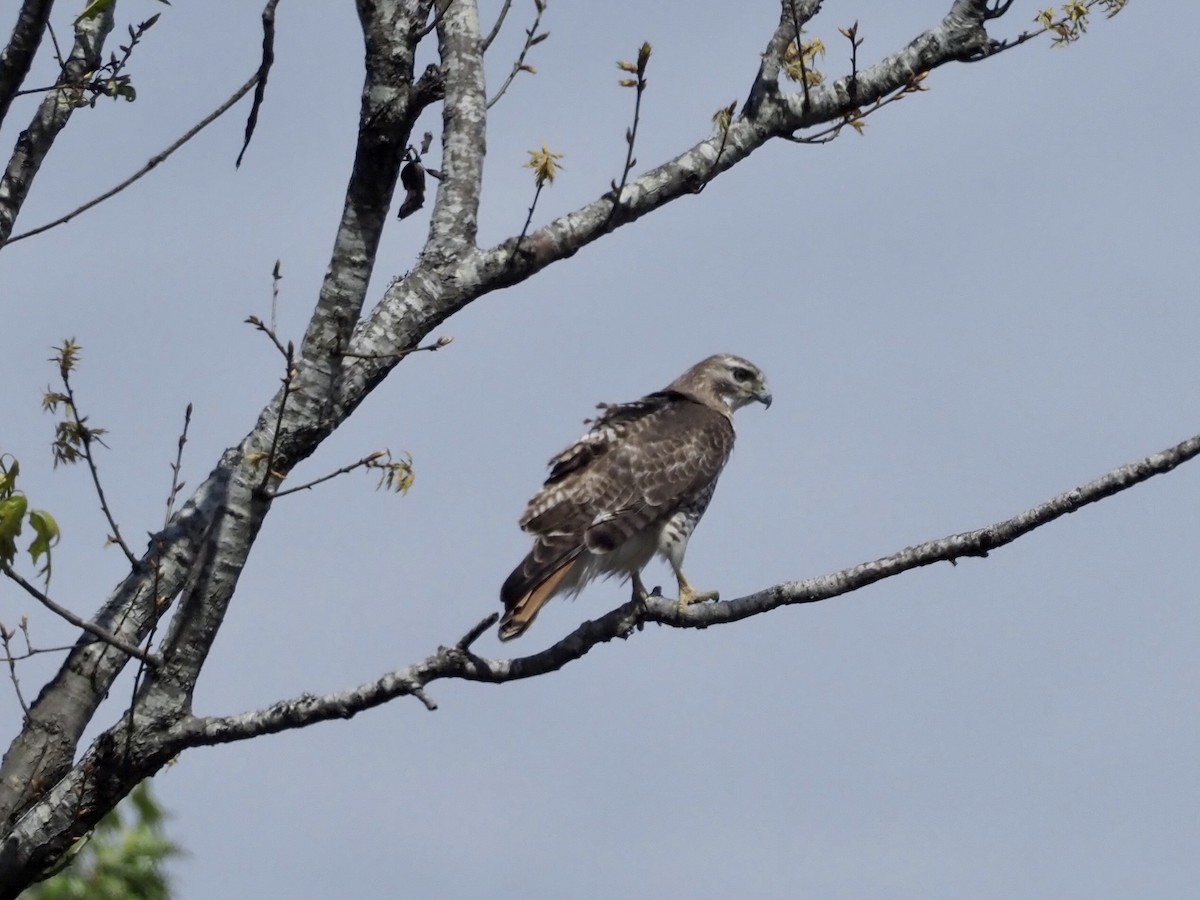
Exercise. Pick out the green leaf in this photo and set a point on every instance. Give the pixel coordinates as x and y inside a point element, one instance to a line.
<point>47,533</point>
<point>12,513</point>
<point>8,476</point>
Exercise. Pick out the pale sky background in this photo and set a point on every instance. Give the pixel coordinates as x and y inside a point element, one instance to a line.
<point>989,298</point>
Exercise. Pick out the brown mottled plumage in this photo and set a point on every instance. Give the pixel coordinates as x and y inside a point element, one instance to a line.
<point>636,484</point>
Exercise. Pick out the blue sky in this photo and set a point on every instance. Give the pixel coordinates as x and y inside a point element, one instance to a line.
<point>988,298</point>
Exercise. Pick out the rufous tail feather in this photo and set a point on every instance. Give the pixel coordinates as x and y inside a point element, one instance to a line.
<point>521,614</point>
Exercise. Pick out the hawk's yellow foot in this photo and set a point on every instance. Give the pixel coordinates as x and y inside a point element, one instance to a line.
<point>689,595</point>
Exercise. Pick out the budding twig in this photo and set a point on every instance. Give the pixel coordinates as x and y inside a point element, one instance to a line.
<point>5,637</point>
<point>176,484</point>
<point>531,38</point>
<point>639,85</point>
<point>269,332</point>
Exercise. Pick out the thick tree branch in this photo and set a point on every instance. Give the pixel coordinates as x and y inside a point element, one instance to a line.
<point>386,119</point>
<point>457,662</point>
<point>454,221</point>
<point>444,283</point>
<point>771,116</point>
<point>45,748</point>
<point>793,15</point>
<point>51,117</point>
<point>22,47</point>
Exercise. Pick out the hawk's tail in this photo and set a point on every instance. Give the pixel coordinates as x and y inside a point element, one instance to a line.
<point>527,589</point>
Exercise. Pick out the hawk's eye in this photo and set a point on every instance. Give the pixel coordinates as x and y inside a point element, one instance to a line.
<point>742,375</point>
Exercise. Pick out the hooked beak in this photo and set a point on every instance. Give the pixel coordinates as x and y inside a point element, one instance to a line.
<point>764,397</point>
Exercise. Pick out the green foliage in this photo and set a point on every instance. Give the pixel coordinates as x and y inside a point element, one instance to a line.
<point>123,858</point>
<point>15,512</point>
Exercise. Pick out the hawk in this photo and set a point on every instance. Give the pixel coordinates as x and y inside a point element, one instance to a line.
<point>636,484</point>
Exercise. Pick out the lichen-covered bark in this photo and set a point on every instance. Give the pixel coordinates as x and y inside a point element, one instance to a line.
<point>18,55</point>
<point>52,116</point>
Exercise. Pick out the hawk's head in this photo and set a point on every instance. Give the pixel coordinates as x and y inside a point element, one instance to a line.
<point>724,382</point>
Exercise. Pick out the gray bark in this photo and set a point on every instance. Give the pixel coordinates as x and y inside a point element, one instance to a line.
<point>52,113</point>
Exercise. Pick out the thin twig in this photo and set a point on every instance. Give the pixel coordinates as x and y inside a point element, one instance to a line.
<point>86,438</point>
<point>269,332</point>
<point>724,119</point>
<point>829,133</point>
<point>365,461</point>
<point>154,161</point>
<point>5,635</point>
<point>477,632</point>
<point>276,277</point>
<point>91,628</point>
<point>531,38</point>
<point>287,389</point>
<point>491,36</point>
<point>58,57</point>
<point>639,84</point>
<point>176,484</point>
<point>851,34</point>
<point>35,651</point>
<point>799,52</point>
<point>438,14</point>
<point>443,341</point>
<point>525,228</point>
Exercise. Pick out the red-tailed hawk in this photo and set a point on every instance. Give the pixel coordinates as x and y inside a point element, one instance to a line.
<point>636,484</point>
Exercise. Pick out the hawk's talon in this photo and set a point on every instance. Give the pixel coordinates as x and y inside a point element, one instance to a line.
<point>690,595</point>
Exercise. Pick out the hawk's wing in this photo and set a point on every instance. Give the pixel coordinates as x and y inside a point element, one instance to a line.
<point>637,465</point>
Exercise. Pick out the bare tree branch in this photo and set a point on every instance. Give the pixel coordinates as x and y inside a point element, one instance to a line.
<point>439,10</point>
<point>491,35</point>
<point>454,221</point>
<point>64,613</point>
<point>22,47</point>
<point>531,38</point>
<point>5,638</point>
<point>51,116</point>
<point>793,15</point>
<point>457,662</point>
<point>260,78</point>
<point>153,162</point>
<point>86,438</point>
<point>386,119</point>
